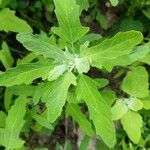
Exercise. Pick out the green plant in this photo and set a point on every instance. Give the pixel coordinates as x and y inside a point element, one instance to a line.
<point>56,74</point>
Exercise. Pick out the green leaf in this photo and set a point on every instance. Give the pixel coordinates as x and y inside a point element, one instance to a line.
<point>109,96</point>
<point>42,121</point>
<point>82,65</point>
<point>84,4</point>
<point>74,111</point>
<point>26,90</point>
<point>132,123</point>
<point>5,56</point>
<point>70,28</point>
<point>56,94</point>
<point>14,123</point>
<point>57,72</point>
<point>136,82</point>
<point>146,102</point>
<point>26,73</point>
<point>37,44</point>
<point>137,54</point>
<point>10,22</point>
<point>7,98</point>
<point>99,110</point>
<point>101,83</point>
<point>114,2</point>
<point>146,59</point>
<point>134,103</point>
<point>2,119</point>
<point>121,44</point>
<point>119,109</point>
<point>27,59</point>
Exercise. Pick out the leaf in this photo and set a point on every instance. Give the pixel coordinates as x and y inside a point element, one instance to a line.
<point>42,121</point>
<point>91,37</point>
<point>136,82</point>
<point>101,83</point>
<point>121,44</point>
<point>82,65</point>
<point>137,54</point>
<point>7,98</point>
<point>37,44</point>
<point>119,109</point>
<point>70,28</point>
<point>134,103</point>
<point>10,22</point>
<point>56,94</point>
<point>99,111</point>
<point>74,111</point>
<point>132,123</point>
<point>109,96</point>
<point>146,59</point>
<point>5,56</point>
<point>84,4</point>
<point>2,119</point>
<point>26,90</point>
<point>27,59</point>
<point>114,2</point>
<point>14,123</point>
<point>146,102</point>
<point>26,73</point>
<point>57,72</point>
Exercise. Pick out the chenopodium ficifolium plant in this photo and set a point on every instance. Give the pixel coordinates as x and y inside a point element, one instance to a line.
<point>65,82</point>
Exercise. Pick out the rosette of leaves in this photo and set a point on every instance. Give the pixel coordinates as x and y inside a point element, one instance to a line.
<point>63,71</point>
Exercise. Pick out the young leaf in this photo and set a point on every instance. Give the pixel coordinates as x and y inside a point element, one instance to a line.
<point>82,65</point>
<point>121,44</point>
<point>26,73</point>
<point>74,111</point>
<point>132,123</point>
<point>14,123</point>
<point>10,22</point>
<point>70,28</point>
<point>136,82</point>
<point>40,46</point>
<point>57,71</point>
<point>119,109</point>
<point>56,94</point>
<point>114,2</point>
<point>99,111</point>
<point>134,103</point>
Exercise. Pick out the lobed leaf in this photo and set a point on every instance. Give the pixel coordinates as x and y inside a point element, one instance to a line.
<point>56,94</point>
<point>10,22</point>
<point>26,73</point>
<point>121,44</point>
<point>99,111</point>
<point>70,28</point>
<point>37,44</point>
